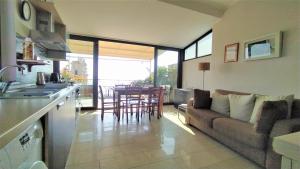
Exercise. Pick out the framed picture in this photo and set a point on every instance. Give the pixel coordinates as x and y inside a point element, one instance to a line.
<point>231,53</point>
<point>265,47</point>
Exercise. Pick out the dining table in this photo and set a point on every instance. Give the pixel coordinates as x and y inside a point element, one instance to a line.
<point>118,92</point>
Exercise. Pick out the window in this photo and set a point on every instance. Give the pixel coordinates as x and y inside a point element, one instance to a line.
<point>167,70</point>
<point>200,47</point>
<point>205,46</point>
<point>190,52</point>
<point>78,68</point>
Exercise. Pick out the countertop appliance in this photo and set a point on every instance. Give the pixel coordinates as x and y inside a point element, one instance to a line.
<point>55,77</point>
<point>40,78</point>
<point>24,151</point>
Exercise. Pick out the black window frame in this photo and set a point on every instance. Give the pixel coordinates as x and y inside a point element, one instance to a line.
<point>195,42</point>
<point>196,48</point>
<point>96,40</point>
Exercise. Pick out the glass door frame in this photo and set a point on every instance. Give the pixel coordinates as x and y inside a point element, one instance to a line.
<point>96,40</point>
<point>179,66</point>
<point>95,68</point>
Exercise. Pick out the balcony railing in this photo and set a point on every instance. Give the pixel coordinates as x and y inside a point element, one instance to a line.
<point>107,85</point>
<point>86,89</point>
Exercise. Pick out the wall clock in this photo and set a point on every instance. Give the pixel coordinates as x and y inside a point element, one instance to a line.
<point>25,10</point>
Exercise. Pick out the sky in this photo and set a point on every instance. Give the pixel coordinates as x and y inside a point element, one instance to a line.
<point>122,69</point>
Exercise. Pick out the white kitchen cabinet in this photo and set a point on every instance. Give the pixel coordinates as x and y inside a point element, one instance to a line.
<point>60,131</point>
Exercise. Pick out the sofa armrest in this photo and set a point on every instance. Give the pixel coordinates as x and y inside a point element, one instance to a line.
<point>190,103</point>
<point>286,126</point>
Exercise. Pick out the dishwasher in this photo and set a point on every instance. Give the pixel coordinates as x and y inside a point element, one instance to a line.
<point>25,150</point>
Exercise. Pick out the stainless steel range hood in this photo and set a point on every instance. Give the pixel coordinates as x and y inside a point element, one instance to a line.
<point>49,40</point>
<point>50,36</point>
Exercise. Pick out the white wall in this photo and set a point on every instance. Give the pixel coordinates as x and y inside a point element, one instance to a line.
<point>8,38</point>
<point>23,27</point>
<point>245,21</point>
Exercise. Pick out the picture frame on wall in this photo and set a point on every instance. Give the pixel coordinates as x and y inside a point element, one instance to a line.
<point>265,47</point>
<point>231,53</point>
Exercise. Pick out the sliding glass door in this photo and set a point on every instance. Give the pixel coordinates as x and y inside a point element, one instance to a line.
<point>96,62</point>
<point>79,68</point>
<point>124,64</point>
<point>167,72</point>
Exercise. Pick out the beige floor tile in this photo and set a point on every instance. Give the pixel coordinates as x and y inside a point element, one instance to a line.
<point>234,163</point>
<point>89,165</point>
<point>124,162</point>
<point>82,157</point>
<point>173,163</point>
<point>157,144</point>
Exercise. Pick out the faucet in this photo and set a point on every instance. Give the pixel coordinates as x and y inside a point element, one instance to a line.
<point>2,71</point>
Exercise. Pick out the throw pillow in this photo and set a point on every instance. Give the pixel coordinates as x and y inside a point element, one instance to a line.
<point>220,103</point>
<point>201,99</point>
<point>259,104</point>
<point>271,112</point>
<point>241,106</point>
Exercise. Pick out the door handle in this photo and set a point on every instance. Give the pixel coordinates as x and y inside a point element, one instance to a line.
<point>60,105</point>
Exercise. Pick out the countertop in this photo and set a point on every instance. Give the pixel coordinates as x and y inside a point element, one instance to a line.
<point>17,114</point>
<point>288,145</point>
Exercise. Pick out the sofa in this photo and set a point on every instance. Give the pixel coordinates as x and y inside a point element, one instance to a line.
<point>241,136</point>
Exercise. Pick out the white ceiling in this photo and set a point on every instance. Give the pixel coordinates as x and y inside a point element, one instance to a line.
<point>211,7</point>
<point>112,49</point>
<point>145,21</point>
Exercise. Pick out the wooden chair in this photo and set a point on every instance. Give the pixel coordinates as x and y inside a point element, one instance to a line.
<point>133,100</point>
<point>121,86</point>
<point>154,102</point>
<point>160,105</point>
<point>106,104</point>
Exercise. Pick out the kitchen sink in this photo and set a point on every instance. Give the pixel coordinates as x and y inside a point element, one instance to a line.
<point>30,93</point>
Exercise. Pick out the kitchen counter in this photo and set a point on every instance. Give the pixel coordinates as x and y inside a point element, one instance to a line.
<point>17,114</point>
<point>288,145</point>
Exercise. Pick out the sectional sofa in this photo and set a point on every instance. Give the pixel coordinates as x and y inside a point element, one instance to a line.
<point>241,136</point>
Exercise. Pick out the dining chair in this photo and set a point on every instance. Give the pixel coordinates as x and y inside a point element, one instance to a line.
<point>106,104</point>
<point>153,102</point>
<point>122,86</point>
<point>160,106</point>
<point>133,100</point>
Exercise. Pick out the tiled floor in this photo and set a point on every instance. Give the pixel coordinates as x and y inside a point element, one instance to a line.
<point>159,144</point>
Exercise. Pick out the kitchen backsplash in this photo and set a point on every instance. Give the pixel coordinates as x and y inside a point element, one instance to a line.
<point>30,77</point>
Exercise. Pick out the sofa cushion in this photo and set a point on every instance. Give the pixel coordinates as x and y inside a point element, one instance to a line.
<point>241,106</point>
<point>260,99</point>
<point>271,112</point>
<point>201,99</point>
<point>242,132</point>
<point>252,153</point>
<point>204,115</point>
<point>220,103</point>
